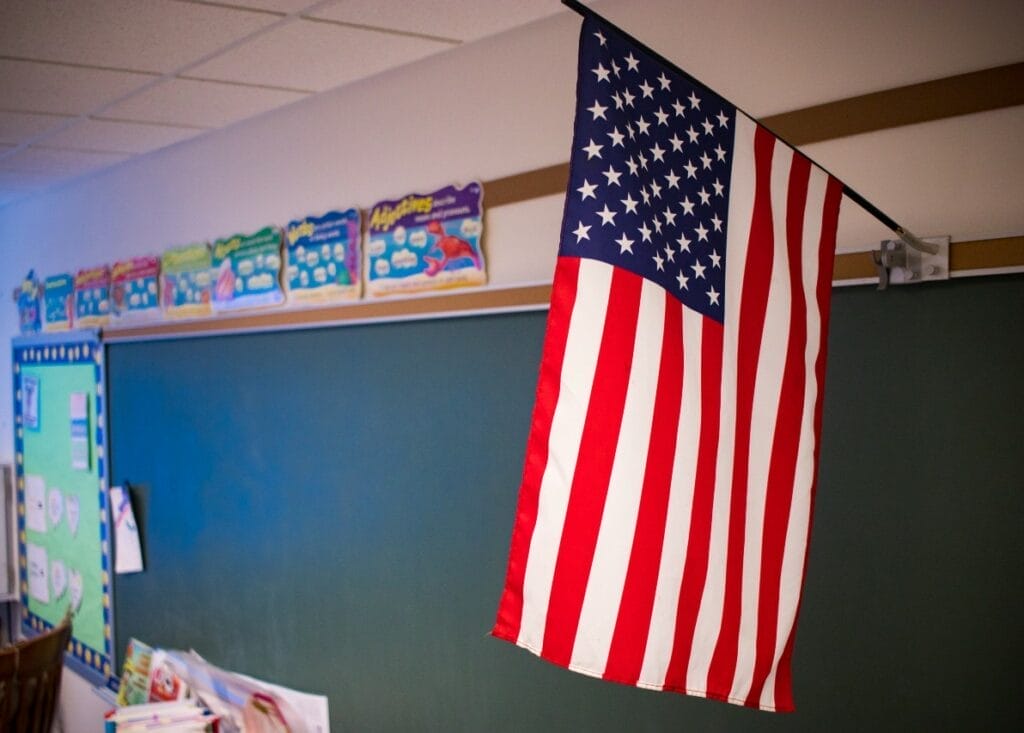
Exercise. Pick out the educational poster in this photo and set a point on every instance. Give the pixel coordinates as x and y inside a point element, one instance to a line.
<point>27,297</point>
<point>92,297</point>
<point>63,524</point>
<point>426,242</point>
<point>134,288</point>
<point>247,270</point>
<point>186,283</point>
<point>58,302</point>
<point>323,257</point>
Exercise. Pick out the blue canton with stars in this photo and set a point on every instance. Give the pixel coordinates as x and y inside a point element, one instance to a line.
<point>649,172</point>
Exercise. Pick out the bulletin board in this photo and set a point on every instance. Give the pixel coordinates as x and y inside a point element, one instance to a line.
<point>60,466</point>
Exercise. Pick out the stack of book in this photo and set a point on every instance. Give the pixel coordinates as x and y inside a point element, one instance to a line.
<point>178,716</point>
<point>162,689</point>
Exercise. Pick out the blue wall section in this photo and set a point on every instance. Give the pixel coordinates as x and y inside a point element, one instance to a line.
<point>331,510</point>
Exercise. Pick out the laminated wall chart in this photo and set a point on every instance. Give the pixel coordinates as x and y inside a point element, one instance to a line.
<point>60,462</point>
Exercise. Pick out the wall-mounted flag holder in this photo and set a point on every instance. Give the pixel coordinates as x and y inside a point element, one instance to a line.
<point>900,261</point>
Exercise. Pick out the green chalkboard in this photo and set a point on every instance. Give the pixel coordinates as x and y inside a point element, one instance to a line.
<point>331,510</point>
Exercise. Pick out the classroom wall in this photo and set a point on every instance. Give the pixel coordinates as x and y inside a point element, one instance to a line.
<point>473,112</point>
<point>483,110</point>
<point>469,113</point>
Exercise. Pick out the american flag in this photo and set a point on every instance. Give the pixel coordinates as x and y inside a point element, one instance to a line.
<point>661,533</point>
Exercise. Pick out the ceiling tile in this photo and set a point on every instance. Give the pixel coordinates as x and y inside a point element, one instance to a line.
<point>206,104</point>
<point>140,35</point>
<point>16,127</point>
<point>456,19</point>
<point>316,56</point>
<point>63,163</point>
<point>769,62</point>
<point>121,137</point>
<point>277,6</point>
<point>31,87</point>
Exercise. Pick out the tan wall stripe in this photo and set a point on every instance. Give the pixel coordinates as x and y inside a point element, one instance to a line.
<point>978,91</point>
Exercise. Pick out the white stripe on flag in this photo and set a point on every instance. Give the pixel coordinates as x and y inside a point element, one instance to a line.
<point>581,350</point>
<point>618,522</point>
<point>741,203</point>
<point>799,518</point>
<point>771,363</point>
<point>661,635</point>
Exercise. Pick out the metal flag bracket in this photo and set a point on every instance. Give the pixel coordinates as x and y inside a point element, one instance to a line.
<point>911,259</point>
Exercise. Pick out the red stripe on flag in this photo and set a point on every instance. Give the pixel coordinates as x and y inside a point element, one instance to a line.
<point>786,442</point>
<point>757,273</point>
<point>563,299</point>
<point>629,641</point>
<point>593,467</point>
<point>695,569</point>
<point>826,257</point>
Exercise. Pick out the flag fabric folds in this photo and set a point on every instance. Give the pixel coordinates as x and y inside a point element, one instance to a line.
<point>662,527</point>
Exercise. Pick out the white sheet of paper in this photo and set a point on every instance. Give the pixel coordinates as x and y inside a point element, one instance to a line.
<point>76,589</point>
<point>79,412</point>
<point>59,577</point>
<point>38,573</point>
<point>127,550</point>
<point>311,708</point>
<point>71,509</point>
<point>30,402</point>
<point>35,503</point>
<point>54,506</point>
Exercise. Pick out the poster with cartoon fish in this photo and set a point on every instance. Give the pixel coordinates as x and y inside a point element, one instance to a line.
<point>186,284</point>
<point>426,242</point>
<point>247,270</point>
<point>322,257</point>
<point>92,297</point>
<point>135,288</point>
<point>58,302</point>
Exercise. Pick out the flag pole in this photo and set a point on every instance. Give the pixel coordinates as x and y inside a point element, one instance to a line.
<point>902,232</point>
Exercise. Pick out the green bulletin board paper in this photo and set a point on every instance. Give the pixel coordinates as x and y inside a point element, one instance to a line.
<point>63,543</point>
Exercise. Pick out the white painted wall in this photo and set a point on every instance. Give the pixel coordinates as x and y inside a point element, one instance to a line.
<point>479,111</point>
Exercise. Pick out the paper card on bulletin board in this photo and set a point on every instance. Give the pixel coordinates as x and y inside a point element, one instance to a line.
<point>63,522</point>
